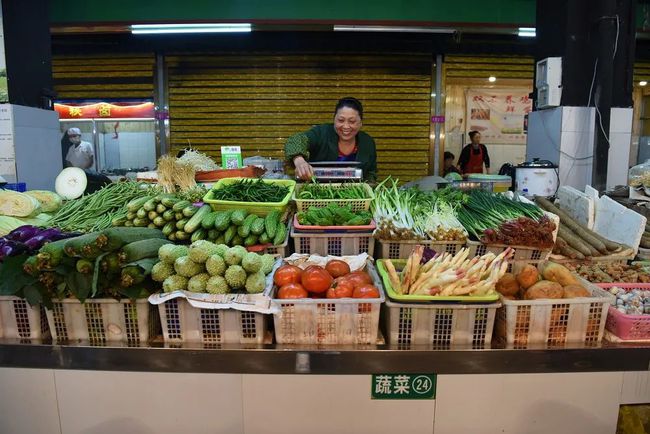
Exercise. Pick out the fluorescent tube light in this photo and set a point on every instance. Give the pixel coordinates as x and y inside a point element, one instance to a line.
<point>406,29</point>
<point>527,32</point>
<point>150,29</point>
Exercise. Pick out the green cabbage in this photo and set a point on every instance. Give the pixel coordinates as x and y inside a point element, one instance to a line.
<point>50,201</point>
<point>17,204</point>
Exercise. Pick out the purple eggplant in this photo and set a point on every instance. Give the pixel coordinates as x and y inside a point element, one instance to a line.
<point>12,248</point>
<point>36,242</point>
<point>23,233</point>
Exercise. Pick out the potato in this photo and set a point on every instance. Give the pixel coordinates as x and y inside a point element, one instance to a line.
<point>544,289</point>
<point>575,291</point>
<point>528,276</point>
<point>507,285</point>
<point>557,273</point>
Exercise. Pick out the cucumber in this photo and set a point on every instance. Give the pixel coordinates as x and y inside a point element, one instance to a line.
<point>230,234</point>
<point>141,249</point>
<point>222,220</point>
<point>180,225</point>
<point>180,205</point>
<point>189,211</point>
<point>195,222</point>
<point>159,222</point>
<point>245,229</point>
<point>151,215</point>
<point>179,216</point>
<point>172,236</point>
<point>169,201</point>
<point>128,224</point>
<point>182,236</point>
<point>250,240</point>
<point>169,228</point>
<point>168,215</point>
<point>208,221</point>
<point>136,204</point>
<point>258,226</point>
<point>140,223</point>
<point>142,213</point>
<point>131,215</point>
<point>280,235</point>
<point>271,223</point>
<point>118,221</point>
<point>238,217</point>
<point>152,226</point>
<point>160,208</point>
<point>149,205</point>
<point>199,234</point>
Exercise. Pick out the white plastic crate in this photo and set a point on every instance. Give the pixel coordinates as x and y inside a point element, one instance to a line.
<point>282,250</point>
<point>182,322</point>
<point>440,324</point>
<point>355,204</point>
<point>342,244</point>
<point>554,321</point>
<point>391,249</point>
<point>102,320</point>
<point>19,320</point>
<point>330,321</point>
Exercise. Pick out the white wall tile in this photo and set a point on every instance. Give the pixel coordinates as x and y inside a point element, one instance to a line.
<point>636,388</point>
<point>28,403</point>
<point>313,404</point>
<point>619,157</point>
<point>100,402</point>
<point>571,403</point>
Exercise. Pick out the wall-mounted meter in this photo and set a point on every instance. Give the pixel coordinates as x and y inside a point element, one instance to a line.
<point>548,82</point>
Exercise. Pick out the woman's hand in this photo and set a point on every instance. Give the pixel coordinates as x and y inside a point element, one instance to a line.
<point>304,170</point>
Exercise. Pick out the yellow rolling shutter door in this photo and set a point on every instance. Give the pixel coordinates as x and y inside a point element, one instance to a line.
<point>257,101</point>
<point>104,76</point>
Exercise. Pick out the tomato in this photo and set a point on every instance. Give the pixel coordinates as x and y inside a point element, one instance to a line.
<point>359,278</point>
<point>287,274</point>
<point>316,279</point>
<point>365,291</point>
<point>292,290</point>
<point>341,288</point>
<point>337,268</point>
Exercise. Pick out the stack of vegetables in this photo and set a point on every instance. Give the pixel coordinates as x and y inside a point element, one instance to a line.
<point>205,267</point>
<point>497,219</point>
<point>575,240</point>
<point>115,262</point>
<point>33,207</point>
<point>448,275</point>
<point>29,239</point>
<point>410,214</point>
<point>249,190</point>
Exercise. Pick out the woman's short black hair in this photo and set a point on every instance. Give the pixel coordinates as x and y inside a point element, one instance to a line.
<point>350,102</point>
<point>449,156</point>
<point>472,134</point>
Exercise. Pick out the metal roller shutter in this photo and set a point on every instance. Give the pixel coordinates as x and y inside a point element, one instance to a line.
<point>257,101</point>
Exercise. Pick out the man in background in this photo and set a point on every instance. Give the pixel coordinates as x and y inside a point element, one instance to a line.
<point>80,154</point>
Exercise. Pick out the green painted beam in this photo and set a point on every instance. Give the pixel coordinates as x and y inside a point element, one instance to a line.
<point>499,12</point>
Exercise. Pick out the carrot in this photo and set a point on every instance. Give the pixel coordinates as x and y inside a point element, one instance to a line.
<point>580,230</point>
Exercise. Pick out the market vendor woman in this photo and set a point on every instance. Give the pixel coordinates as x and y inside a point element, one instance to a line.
<point>341,141</point>
<point>474,156</point>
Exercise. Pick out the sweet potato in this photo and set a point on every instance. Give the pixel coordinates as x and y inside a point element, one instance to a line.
<point>528,276</point>
<point>507,285</point>
<point>557,273</point>
<point>575,291</point>
<point>544,289</point>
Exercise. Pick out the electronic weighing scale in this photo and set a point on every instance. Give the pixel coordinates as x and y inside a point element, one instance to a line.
<point>337,171</point>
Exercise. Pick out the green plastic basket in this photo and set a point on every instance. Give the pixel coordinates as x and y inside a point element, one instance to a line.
<point>390,292</point>
<point>258,208</point>
<point>355,204</point>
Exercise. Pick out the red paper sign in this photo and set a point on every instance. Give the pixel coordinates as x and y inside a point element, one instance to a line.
<point>105,110</point>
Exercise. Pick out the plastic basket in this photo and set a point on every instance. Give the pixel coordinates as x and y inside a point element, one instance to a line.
<point>336,229</point>
<point>390,249</point>
<point>102,320</point>
<point>342,244</point>
<point>19,320</point>
<point>624,326</point>
<point>522,253</point>
<point>355,204</point>
<point>440,324</point>
<point>329,321</point>
<point>258,208</point>
<point>554,321</point>
<point>182,322</point>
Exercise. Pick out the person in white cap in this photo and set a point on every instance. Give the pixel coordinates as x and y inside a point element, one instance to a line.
<point>80,154</point>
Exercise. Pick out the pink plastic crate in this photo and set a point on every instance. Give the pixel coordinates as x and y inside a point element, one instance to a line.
<point>627,327</point>
<point>336,229</point>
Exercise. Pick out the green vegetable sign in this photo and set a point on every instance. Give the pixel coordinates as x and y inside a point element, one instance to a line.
<point>403,386</point>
